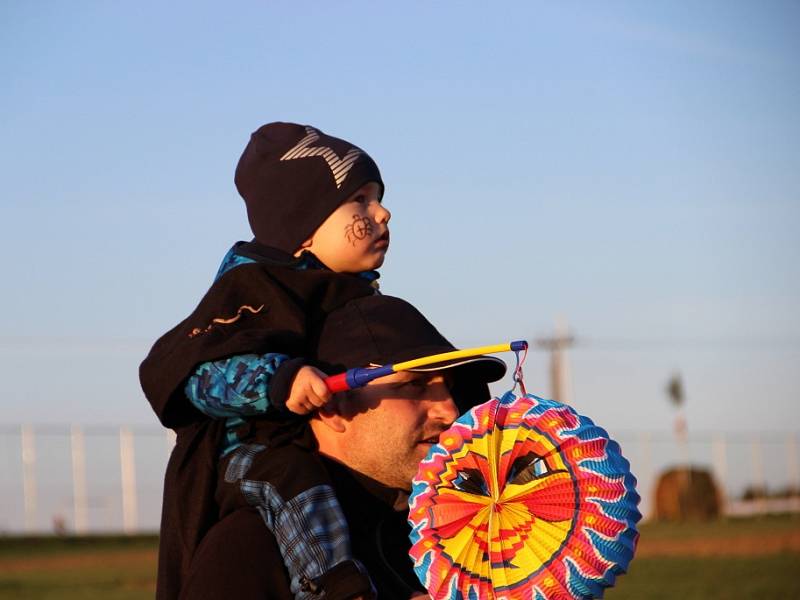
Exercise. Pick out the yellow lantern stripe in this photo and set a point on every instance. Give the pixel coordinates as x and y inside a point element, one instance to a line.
<point>461,543</point>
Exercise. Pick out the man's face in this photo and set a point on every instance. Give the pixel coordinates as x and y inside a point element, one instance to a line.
<point>393,422</point>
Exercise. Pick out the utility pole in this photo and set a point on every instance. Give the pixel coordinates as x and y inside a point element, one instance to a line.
<point>676,395</point>
<point>559,368</point>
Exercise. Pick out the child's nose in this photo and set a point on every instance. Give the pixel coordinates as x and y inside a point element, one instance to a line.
<point>382,214</point>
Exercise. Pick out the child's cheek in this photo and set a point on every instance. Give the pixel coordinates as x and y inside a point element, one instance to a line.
<point>358,230</point>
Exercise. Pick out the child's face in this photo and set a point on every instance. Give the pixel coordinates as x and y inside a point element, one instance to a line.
<point>355,237</point>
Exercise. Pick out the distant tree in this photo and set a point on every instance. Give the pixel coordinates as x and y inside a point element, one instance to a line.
<point>755,492</point>
<point>675,390</point>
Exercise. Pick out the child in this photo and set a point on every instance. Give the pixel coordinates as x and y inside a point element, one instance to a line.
<point>243,358</point>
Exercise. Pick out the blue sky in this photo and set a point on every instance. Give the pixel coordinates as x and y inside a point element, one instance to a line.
<point>633,167</point>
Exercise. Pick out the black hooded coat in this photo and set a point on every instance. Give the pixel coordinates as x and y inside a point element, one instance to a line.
<point>256,308</point>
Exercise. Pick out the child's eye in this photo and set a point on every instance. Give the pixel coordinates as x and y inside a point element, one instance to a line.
<point>361,199</point>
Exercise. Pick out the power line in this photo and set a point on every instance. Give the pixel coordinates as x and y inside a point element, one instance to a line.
<point>715,342</point>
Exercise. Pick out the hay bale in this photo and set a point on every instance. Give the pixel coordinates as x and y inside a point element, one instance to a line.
<point>684,494</point>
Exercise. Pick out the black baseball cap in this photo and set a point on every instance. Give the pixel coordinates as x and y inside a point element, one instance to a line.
<point>379,330</point>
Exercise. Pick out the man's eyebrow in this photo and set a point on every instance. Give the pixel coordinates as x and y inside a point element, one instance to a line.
<point>412,378</point>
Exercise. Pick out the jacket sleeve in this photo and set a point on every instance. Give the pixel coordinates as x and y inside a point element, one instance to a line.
<point>239,386</point>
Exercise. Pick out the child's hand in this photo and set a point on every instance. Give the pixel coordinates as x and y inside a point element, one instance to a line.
<point>308,392</point>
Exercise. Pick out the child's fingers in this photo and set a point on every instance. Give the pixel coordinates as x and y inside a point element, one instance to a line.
<point>317,400</point>
<point>308,391</point>
<point>299,406</point>
<point>319,394</point>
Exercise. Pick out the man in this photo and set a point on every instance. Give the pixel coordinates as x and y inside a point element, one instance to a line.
<point>372,440</point>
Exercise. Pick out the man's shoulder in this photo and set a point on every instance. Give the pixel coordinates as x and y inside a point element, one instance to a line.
<point>379,530</point>
<point>238,558</point>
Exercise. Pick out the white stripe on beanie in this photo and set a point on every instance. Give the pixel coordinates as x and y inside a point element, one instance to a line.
<point>339,167</point>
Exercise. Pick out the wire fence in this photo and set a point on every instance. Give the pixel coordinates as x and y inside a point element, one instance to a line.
<point>75,479</point>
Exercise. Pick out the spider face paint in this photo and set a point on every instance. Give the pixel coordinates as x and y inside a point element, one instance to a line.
<point>359,229</point>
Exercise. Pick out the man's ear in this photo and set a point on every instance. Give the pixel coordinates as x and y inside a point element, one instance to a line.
<point>330,418</point>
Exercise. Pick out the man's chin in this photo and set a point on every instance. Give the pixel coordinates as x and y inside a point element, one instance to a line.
<point>422,450</point>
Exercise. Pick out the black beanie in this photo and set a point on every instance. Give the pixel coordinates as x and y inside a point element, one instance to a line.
<point>292,177</point>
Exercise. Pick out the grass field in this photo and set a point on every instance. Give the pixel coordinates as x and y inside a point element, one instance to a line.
<point>752,558</point>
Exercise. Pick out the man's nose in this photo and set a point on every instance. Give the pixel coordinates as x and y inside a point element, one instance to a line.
<point>444,409</point>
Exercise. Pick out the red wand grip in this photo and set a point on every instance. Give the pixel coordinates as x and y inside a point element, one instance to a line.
<point>337,383</point>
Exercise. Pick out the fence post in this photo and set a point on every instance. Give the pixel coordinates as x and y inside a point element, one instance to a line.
<point>719,451</point>
<point>758,473</point>
<point>646,474</point>
<point>29,476</point>
<point>80,511</point>
<point>794,470</point>
<point>128,476</point>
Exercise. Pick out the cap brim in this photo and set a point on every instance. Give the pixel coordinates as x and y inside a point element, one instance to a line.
<point>486,368</point>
